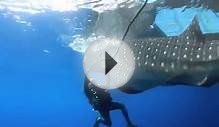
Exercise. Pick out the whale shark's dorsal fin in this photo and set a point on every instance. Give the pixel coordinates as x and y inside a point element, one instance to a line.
<point>194,32</point>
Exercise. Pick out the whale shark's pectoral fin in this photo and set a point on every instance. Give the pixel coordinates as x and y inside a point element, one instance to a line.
<point>190,78</point>
<point>137,86</point>
<point>130,90</point>
<point>194,32</point>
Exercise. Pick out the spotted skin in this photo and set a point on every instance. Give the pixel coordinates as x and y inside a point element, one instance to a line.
<point>160,54</point>
<point>187,59</point>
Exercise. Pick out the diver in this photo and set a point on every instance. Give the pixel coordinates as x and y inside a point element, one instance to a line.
<point>101,101</point>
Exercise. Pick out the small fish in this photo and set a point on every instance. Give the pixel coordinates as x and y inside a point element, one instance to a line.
<point>189,59</point>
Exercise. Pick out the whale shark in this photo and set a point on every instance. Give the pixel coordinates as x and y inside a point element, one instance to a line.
<point>188,59</point>
<point>113,23</point>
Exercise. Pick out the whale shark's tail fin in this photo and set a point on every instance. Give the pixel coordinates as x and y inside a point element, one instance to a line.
<point>193,32</point>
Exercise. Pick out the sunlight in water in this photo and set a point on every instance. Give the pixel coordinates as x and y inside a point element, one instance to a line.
<point>40,6</point>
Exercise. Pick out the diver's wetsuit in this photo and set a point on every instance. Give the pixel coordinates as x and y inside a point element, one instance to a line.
<point>101,101</point>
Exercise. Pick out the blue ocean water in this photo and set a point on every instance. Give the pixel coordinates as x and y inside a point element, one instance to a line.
<point>41,83</point>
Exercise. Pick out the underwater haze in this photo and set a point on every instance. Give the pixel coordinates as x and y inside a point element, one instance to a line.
<point>41,70</point>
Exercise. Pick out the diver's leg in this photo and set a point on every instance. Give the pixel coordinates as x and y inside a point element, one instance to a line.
<point>97,122</point>
<point>104,119</point>
<point>116,105</point>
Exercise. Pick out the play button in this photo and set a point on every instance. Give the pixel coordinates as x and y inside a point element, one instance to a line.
<point>109,63</point>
